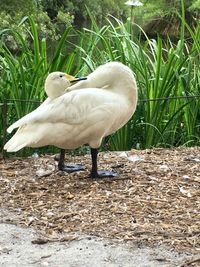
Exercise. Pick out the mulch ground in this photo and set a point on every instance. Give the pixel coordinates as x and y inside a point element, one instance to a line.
<point>154,200</point>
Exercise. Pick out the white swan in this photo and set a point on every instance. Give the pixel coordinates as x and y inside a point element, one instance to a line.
<point>89,111</point>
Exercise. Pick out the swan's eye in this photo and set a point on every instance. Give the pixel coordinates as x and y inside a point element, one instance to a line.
<point>61,75</point>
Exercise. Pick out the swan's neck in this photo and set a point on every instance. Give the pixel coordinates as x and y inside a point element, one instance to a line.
<point>53,92</point>
<point>126,88</point>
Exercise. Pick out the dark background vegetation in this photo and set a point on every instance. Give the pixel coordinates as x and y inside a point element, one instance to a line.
<point>52,16</point>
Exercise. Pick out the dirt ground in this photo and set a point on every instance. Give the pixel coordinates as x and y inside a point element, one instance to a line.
<point>17,250</point>
<point>149,214</point>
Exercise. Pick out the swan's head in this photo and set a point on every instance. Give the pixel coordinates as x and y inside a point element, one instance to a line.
<point>57,82</point>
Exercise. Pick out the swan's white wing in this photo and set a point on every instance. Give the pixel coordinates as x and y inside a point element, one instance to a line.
<point>72,108</point>
<point>49,111</point>
<point>74,119</point>
<point>30,116</point>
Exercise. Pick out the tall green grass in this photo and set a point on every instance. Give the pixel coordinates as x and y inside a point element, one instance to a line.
<point>163,70</point>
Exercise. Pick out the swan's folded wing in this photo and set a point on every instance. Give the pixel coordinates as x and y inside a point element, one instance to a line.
<point>30,117</point>
<point>71,108</point>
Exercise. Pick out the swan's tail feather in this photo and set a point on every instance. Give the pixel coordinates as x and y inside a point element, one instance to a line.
<point>15,125</point>
<point>17,142</point>
<point>11,128</point>
<point>14,147</point>
<point>20,139</point>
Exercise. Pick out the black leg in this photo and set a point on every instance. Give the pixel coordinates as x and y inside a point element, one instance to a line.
<point>94,172</point>
<point>94,154</point>
<point>61,159</point>
<point>68,167</point>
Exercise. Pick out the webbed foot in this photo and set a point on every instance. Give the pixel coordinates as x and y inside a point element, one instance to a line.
<point>71,167</point>
<point>103,174</point>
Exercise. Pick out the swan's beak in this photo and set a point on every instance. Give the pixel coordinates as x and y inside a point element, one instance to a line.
<point>73,79</point>
<point>78,79</point>
<point>70,77</point>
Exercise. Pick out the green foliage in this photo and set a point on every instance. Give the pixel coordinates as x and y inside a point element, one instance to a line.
<point>161,16</point>
<point>195,6</point>
<point>99,8</point>
<point>13,7</point>
<point>12,13</point>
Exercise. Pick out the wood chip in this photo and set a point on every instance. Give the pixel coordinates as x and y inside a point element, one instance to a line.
<point>154,201</point>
